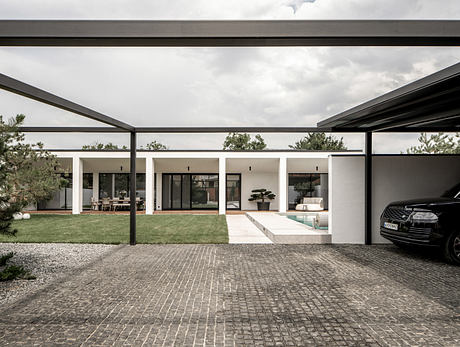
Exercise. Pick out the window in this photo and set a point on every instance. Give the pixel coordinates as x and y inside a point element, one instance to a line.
<point>118,185</point>
<point>62,199</point>
<point>190,191</point>
<point>105,185</point>
<point>307,185</point>
<point>205,191</point>
<point>233,191</point>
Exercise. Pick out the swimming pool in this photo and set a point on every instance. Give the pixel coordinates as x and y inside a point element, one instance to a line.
<point>307,219</point>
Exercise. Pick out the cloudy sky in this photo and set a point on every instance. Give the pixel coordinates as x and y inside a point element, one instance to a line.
<point>216,86</point>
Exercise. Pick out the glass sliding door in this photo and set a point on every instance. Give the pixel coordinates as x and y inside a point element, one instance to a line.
<point>176,192</point>
<point>121,185</point>
<point>61,200</point>
<point>186,192</point>
<point>105,185</point>
<point>205,191</point>
<point>140,186</point>
<point>87,190</point>
<point>233,192</point>
<point>117,185</point>
<point>190,191</point>
<point>166,192</point>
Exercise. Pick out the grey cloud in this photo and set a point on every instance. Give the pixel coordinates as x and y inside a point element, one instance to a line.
<point>297,4</point>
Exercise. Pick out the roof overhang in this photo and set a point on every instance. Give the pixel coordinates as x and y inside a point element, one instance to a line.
<point>429,104</point>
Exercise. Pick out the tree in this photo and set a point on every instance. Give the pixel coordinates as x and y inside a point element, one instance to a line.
<point>27,173</point>
<point>97,146</point>
<point>155,146</point>
<point>436,144</point>
<point>319,142</point>
<point>243,142</point>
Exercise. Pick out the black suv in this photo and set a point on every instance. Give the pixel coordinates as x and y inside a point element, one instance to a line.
<point>431,222</point>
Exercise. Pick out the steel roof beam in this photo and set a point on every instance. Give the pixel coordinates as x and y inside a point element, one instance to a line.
<point>14,86</point>
<point>228,33</point>
<point>202,130</point>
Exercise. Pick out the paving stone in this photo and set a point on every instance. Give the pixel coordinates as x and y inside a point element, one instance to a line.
<point>245,295</point>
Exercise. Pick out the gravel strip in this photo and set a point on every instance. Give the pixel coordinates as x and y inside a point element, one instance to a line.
<point>46,261</point>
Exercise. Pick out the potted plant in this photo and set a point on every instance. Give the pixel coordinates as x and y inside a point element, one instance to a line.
<point>262,195</point>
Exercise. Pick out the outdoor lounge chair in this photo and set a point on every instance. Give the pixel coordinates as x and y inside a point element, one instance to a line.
<point>310,204</point>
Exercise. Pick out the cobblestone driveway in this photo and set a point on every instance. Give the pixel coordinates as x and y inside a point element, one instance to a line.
<point>245,295</point>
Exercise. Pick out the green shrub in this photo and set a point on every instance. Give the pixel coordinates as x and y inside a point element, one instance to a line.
<point>4,258</point>
<point>15,272</point>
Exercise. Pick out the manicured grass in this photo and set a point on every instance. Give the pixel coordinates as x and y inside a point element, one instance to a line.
<point>115,229</point>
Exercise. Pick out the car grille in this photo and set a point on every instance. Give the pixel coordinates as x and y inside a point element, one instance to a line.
<point>396,214</point>
<point>420,232</point>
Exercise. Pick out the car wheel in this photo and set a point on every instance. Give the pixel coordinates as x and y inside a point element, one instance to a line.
<point>452,248</point>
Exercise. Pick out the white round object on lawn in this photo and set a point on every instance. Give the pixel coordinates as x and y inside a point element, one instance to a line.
<point>26,216</point>
<point>17,216</point>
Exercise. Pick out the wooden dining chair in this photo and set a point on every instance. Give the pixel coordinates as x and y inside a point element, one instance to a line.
<point>106,205</point>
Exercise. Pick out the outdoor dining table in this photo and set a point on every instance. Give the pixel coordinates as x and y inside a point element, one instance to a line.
<point>119,203</point>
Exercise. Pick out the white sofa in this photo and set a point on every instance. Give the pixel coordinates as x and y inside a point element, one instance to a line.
<point>310,204</point>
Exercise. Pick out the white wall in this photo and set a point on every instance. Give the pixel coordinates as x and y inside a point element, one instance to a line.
<point>112,165</point>
<point>254,180</point>
<point>409,177</point>
<point>187,165</point>
<point>346,199</point>
<point>301,165</point>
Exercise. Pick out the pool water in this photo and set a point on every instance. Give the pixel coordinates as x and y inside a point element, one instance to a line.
<point>303,218</point>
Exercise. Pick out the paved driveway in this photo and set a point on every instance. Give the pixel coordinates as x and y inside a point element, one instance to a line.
<point>245,294</point>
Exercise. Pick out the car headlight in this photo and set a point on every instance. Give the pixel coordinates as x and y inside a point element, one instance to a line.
<point>424,217</point>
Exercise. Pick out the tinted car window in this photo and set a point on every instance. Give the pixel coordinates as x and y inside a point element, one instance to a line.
<point>453,192</point>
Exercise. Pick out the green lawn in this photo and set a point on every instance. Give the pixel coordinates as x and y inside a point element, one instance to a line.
<point>115,229</point>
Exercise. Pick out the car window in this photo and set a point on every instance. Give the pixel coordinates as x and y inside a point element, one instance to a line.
<point>453,192</point>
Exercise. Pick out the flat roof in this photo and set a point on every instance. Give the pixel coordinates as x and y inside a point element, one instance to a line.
<point>428,104</point>
<point>204,150</point>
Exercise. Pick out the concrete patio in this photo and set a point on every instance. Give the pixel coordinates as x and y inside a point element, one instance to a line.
<point>233,295</point>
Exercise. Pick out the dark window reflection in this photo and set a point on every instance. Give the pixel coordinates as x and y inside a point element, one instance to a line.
<point>307,185</point>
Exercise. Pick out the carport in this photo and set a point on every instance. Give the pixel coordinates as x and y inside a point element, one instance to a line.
<point>426,105</point>
<point>430,104</point>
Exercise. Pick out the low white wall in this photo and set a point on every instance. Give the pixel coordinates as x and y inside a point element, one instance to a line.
<point>409,177</point>
<point>255,180</point>
<point>346,199</point>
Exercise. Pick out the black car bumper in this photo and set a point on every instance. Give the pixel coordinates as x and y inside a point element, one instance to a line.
<point>415,234</point>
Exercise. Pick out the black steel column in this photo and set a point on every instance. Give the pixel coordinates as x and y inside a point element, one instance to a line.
<point>368,190</point>
<point>133,205</point>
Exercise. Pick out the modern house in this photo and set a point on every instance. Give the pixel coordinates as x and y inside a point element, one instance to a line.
<point>193,180</point>
<point>223,181</point>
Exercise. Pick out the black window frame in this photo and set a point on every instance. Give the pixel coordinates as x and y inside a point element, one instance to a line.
<point>181,191</point>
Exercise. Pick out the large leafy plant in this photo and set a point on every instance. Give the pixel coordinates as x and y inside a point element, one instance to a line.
<point>261,195</point>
